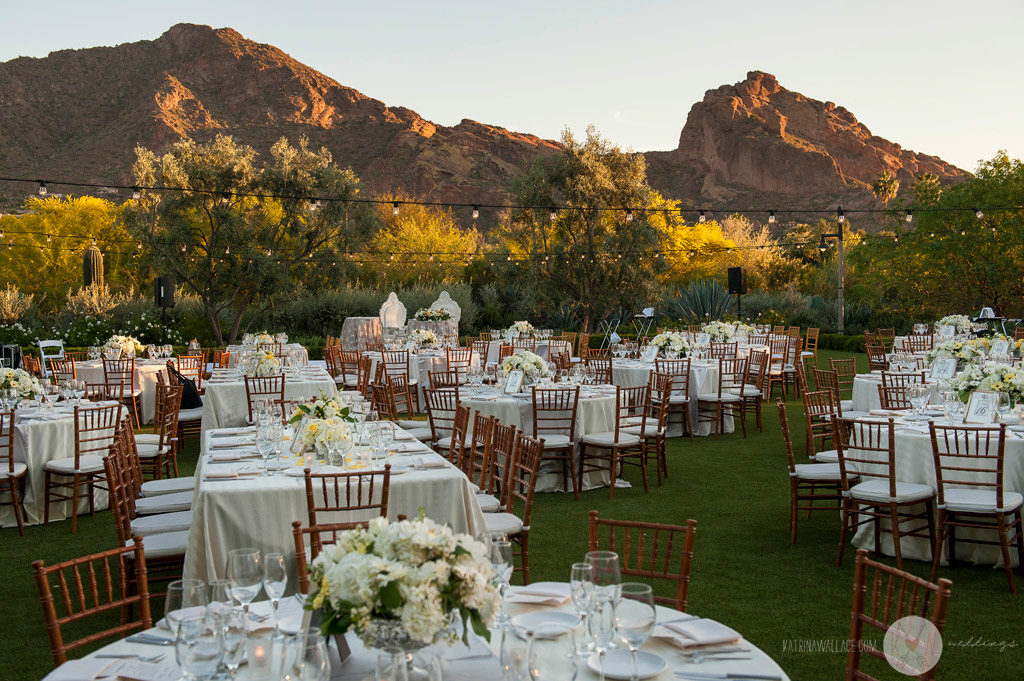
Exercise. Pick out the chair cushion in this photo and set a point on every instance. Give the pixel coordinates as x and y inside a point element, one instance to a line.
<point>846,405</point>
<point>190,414</point>
<point>725,397</point>
<point>154,488</point>
<point>162,522</point>
<point>503,523</point>
<point>488,503</point>
<point>555,440</point>
<point>818,471</point>
<point>19,470</point>
<point>152,451</point>
<point>650,429</point>
<point>878,490</point>
<point>164,503</point>
<point>147,438</point>
<point>444,443</point>
<point>407,424</point>
<point>608,439</point>
<point>90,463</point>
<point>421,434</point>
<point>979,501</point>
<point>678,399</point>
<point>827,456</point>
<point>164,545</point>
<point>745,391</point>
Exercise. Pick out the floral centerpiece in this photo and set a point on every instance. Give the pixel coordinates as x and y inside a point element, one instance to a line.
<point>720,331</point>
<point>410,575</point>
<point>432,314</point>
<point>23,382</point>
<point>264,363</point>
<point>995,376</point>
<point>960,322</point>
<point>531,364</point>
<point>323,425</point>
<point>745,328</point>
<point>962,350</point>
<point>671,340</point>
<point>257,338</point>
<point>423,338</point>
<point>128,345</point>
<point>522,329</point>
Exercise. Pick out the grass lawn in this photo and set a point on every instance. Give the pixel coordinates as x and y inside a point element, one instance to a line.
<point>745,572</point>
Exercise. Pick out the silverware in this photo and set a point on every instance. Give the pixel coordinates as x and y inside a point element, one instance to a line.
<point>132,656</point>
<point>150,640</point>
<point>731,676</point>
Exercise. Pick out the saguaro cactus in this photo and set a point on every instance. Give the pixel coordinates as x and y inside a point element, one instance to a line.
<point>92,267</point>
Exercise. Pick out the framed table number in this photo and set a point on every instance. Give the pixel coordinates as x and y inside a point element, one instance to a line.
<point>943,367</point>
<point>999,348</point>
<point>982,406</point>
<point>514,382</point>
<point>650,354</point>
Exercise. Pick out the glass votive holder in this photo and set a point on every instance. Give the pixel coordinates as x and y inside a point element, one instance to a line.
<point>259,651</point>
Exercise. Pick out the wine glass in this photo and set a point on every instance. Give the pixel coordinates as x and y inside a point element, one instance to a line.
<point>917,394</point>
<point>501,561</point>
<point>308,660</point>
<point>635,618</point>
<point>581,587</point>
<point>606,575</point>
<point>198,646</point>
<point>275,578</point>
<point>265,445</point>
<point>234,632</point>
<point>601,621</point>
<point>183,598</point>
<point>245,570</point>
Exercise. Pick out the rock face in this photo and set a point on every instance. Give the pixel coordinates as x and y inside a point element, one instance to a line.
<point>78,115</point>
<point>757,140</point>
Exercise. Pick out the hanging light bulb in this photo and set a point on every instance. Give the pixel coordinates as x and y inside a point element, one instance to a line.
<point>910,216</point>
<point>394,208</point>
<point>136,193</point>
<point>225,198</point>
<point>94,241</point>
<point>701,217</point>
<point>840,215</point>
<point>629,215</point>
<point>42,188</point>
<point>476,212</point>
<point>978,214</point>
<point>771,216</point>
<point>183,248</point>
<point>822,245</point>
<point>49,238</point>
<point>554,215</point>
<point>139,245</point>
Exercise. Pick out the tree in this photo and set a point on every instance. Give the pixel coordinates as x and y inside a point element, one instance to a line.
<point>690,251</point>
<point>885,189</point>
<point>589,259</point>
<point>224,238</point>
<point>927,190</point>
<point>756,251</point>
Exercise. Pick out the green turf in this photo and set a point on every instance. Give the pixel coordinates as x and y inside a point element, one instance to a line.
<point>745,572</point>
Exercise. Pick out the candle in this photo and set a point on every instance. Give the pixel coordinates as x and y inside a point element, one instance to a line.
<point>259,651</point>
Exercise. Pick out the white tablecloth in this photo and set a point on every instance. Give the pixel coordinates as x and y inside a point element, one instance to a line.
<point>421,363</point>
<point>865,391</point>
<point>357,332</point>
<point>915,463</point>
<point>91,371</point>
<point>236,350</point>
<point>494,349</point>
<point>630,373</point>
<point>225,404</point>
<point>258,512</point>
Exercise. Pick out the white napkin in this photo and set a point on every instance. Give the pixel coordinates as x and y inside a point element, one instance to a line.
<point>540,593</point>
<point>78,670</point>
<point>696,632</point>
<point>239,430</point>
<point>410,446</point>
<point>134,670</point>
<point>224,442</point>
<point>430,462</point>
<point>887,412</point>
<point>400,435</point>
<point>233,455</point>
<point>219,473</point>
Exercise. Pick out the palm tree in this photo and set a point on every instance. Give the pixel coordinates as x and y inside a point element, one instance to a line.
<point>885,188</point>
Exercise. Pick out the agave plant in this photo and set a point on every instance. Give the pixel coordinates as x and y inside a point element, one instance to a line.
<point>702,300</point>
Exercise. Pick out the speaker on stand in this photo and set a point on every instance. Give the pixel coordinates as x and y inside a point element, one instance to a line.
<point>163,297</point>
<point>737,285</point>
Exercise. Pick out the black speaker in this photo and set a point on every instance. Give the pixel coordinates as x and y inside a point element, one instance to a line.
<point>737,281</point>
<point>163,292</point>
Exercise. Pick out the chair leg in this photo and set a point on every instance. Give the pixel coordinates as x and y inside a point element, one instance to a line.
<point>524,544</point>
<point>794,487</point>
<point>74,503</point>
<point>1005,548</point>
<point>46,499</point>
<point>937,547</point>
<point>895,519</point>
<point>842,532</point>
<point>17,505</point>
<point>612,469</point>
<point>1020,540</point>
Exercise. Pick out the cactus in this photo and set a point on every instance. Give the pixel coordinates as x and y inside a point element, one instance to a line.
<point>92,267</point>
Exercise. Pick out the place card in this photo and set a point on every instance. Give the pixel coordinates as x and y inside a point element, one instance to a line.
<point>650,354</point>
<point>943,368</point>
<point>982,407</point>
<point>514,382</point>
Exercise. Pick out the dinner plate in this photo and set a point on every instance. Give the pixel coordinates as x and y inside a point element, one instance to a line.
<point>295,472</point>
<point>545,624</point>
<point>1019,428</point>
<point>618,664</point>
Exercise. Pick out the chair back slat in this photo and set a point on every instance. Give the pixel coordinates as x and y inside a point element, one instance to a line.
<point>346,497</point>
<point>554,411</point>
<point>679,368</point>
<point>477,463</point>
<point>503,446</point>
<point>263,388</point>
<point>893,397</point>
<point>867,449</point>
<point>969,456</point>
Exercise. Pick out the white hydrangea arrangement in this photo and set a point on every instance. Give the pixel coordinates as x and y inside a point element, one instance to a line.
<point>522,329</point>
<point>257,338</point>
<point>962,350</point>
<point>322,407</point>
<point>128,345</point>
<point>745,328</point>
<point>264,364</point>
<point>720,331</point>
<point>671,340</point>
<point>423,338</point>
<point>26,384</point>
<point>320,434</point>
<point>961,322</point>
<point>994,376</point>
<point>432,314</point>
<point>414,571</point>
<point>531,364</point>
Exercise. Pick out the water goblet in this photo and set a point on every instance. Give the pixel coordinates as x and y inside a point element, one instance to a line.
<point>275,578</point>
<point>501,561</point>
<point>234,632</point>
<point>601,623</point>
<point>184,597</point>
<point>245,571</point>
<point>634,618</point>
<point>581,587</point>
<point>607,575</point>
<point>198,646</point>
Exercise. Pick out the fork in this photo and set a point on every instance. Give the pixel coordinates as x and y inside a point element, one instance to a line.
<point>699,656</point>
<point>131,656</point>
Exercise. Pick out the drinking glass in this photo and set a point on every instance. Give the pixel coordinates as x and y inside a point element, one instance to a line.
<point>198,647</point>
<point>234,631</point>
<point>183,598</point>
<point>265,445</point>
<point>635,618</point>
<point>305,657</point>
<point>501,560</point>
<point>245,570</point>
<point>918,393</point>
<point>220,591</point>
<point>601,621</point>
<point>581,586</point>
<point>275,578</point>
<point>606,575</point>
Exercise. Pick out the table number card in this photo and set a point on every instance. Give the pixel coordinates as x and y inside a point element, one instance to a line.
<point>943,367</point>
<point>514,382</point>
<point>999,348</point>
<point>981,407</point>
<point>650,354</point>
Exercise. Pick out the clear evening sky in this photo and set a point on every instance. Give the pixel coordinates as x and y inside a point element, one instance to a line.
<point>939,77</point>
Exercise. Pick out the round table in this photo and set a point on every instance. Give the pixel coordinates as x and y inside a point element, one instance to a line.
<point>865,392</point>
<point>421,363</point>
<point>146,370</point>
<point>225,404</point>
<point>358,332</point>
<point>630,373</point>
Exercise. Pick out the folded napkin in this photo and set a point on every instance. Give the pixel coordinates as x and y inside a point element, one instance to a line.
<point>79,670</point>
<point>887,412</point>
<point>696,632</point>
<point>233,455</point>
<point>181,613</point>
<point>430,462</point>
<point>540,593</point>
<point>413,446</point>
<point>401,435</point>
<point>239,441</point>
<point>219,473</point>
<point>227,432</point>
<point>135,670</point>
<point>917,428</point>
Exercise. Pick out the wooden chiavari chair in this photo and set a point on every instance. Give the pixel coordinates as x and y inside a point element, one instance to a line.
<point>456,449</point>
<point>679,402</point>
<point>61,370</point>
<point>166,495</point>
<point>503,446</point>
<point>893,397</point>
<point>320,536</point>
<point>597,353</point>
<point>94,431</point>
<point>332,358</point>
<point>347,497</point>
<point>608,451</point>
<point>382,401</point>
<point>481,348</point>
<point>812,483</point>
<point>263,388</point>
<point>582,345</point>
<point>477,462</point>
<point>654,432</point>
<point>811,344</point>
<point>724,350</point>
<point>348,367</point>
<point>902,379</point>
<point>867,449</point>
<point>11,472</point>
<point>918,342</point>
<point>554,422</point>
<point>601,366</point>
<point>504,350</point>
<point>754,387</point>
<point>846,372</point>
<point>91,588</point>
<point>30,364</point>
<point>459,361</point>
<point>76,355</point>
<point>887,338</point>
<point>819,412</point>
<point>524,344</point>
<point>444,379</point>
<point>191,367</point>
<point>969,476</point>
<point>397,366</point>
<point>276,349</point>
<point>365,375</point>
<point>441,407</point>
<point>649,551</point>
<point>828,379</point>
<point>160,459</point>
<point>881,596</point>
<point>119,375</point>
<point>1018,333</point>
<point>876,357</point>
<point>712,407</point>
<point>523,471</point>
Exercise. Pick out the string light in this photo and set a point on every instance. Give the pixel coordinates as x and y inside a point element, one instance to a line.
<point>701,217</point>
<point>840,215</point>
<point>910,216</point>
<point>771,216</point>
<point>136,193</point>
<point>554,215</point>
<point>978,214</point>
<point>629,215</point>
<point>394,208</point>
<point>42,188</point>
<point>476,212</point>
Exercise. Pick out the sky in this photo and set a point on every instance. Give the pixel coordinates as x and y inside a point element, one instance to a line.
<point>937,77</point>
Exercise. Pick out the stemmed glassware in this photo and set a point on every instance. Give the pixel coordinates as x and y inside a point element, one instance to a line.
<point>234,632</point>
<point>198,646</point>
<point>501,560</point>
<point>275,578</point>
<point>581,587</point>
<point>634,618</point>
<point>245,570</point>
<point>607,579</point>
<point>265,444</point>
<point>184,597</point>
<point>918,394</point>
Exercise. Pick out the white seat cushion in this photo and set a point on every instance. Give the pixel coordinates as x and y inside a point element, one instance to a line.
<point>147,438</point>
<point>19,470</point>
<point>650,429</point>
<point>421,434</point>
<point>555,440</point>
<point>980,501</point>
<point>90,463</point>
<point>151,451</point>
<point>827,456</point>
<point>488,503</point>
<point>608,439</point>
<point>444,443</point>
<point>164,545</point>
<point>195,414</point>
<point>631,421</point>
<point>407,424</point>
<point>725,397</point>
<point>678,399</point>
<point>878,490</point>
<point>350,381</point>
<point>146,525</point>
<point>818,471</point>
<point>154,488</point>
<point>846,405</point>
<point>164,503</point>
<point>503,523</point>
<point>745,391</point>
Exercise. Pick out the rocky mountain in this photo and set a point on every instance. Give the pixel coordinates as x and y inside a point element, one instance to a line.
<point>78,114</point>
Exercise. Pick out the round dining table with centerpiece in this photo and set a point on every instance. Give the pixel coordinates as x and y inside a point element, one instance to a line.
<point>703,379</point>
<point>225,404</point>
<point>146,370</point>
<point>865,391</point>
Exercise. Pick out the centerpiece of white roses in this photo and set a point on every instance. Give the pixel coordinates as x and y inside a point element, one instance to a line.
<point>258,338</point>
<point>324,425</point>
<point>720,331</point>
<point>994,376</point>
<point>122,346</point>
<point>670,341</point>
<point>961,323</point>
<point>25,385</point>
<point>532,365</point>
<point>397,585</point>
<point>432,314</point>
<point>965,351</point>
<point>263,363</point>
<point>521,329</point>
<point>423,338</point>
